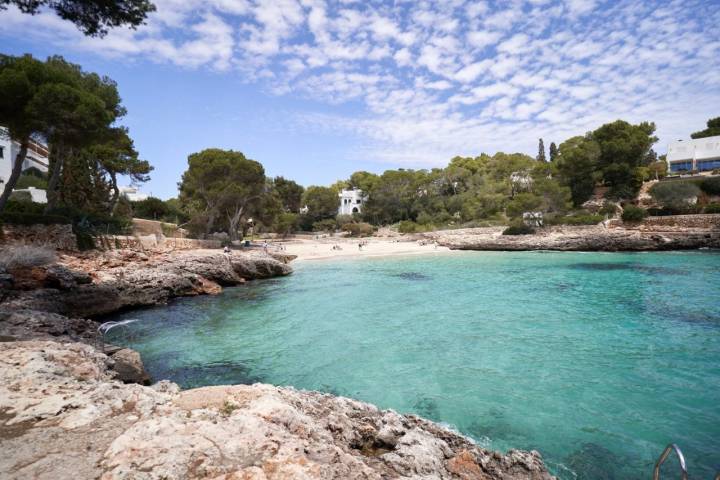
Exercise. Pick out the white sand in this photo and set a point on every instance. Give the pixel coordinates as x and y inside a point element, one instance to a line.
<point>322,248</point>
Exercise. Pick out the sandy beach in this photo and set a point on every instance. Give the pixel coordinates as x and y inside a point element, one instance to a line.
<point>322,248</point>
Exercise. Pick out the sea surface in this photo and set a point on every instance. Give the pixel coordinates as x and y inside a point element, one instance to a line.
<point>597,360</point>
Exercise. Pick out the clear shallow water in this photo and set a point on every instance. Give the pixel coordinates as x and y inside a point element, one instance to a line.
<point>597,360</point>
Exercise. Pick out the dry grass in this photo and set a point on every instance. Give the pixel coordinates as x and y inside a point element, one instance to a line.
<point>26,256</point>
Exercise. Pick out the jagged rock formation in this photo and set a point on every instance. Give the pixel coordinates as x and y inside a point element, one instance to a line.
<point>63,416</point>
<point>134,280</point>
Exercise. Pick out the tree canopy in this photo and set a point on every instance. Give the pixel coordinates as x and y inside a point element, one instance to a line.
<point>222,188</point>
<point>713,129</point>
<point>92,17</point>
<point>72,110</point>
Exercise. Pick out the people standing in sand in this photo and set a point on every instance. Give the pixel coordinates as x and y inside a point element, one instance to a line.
<point>265,246</point>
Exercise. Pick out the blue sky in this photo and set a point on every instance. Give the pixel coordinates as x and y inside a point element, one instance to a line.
<point>316,90</point>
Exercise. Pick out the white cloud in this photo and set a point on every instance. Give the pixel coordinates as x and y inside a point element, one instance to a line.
<point>439,78</point>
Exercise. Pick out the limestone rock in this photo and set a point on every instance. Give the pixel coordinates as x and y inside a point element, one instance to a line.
<point>65,417</point>
<point>129,367</point>
<point>125,280</point>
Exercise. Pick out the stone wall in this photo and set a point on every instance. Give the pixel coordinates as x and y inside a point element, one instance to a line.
<point>704,221</point>
<point>56,236</point>
<point>156,242</point>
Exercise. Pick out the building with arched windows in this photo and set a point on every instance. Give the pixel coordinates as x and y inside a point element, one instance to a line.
<point>351,201</point>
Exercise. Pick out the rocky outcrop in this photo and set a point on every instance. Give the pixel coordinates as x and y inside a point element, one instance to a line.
<point>63,416</point>
<point>128,367</point>
<point>134,280</point>
<point>589,238</point>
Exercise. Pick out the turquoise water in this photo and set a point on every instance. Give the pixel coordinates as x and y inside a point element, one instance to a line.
<point>597,360</point>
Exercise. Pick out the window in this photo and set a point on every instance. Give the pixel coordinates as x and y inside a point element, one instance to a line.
<point>2,152</point>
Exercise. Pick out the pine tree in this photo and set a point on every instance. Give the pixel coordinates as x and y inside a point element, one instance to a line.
<point>541,152</point>
<point>553,151</point>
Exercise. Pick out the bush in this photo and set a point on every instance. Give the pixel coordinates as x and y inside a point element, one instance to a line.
<point>518,229</point>
<point>343,220</point>
<point>710,185</point>
<point>407,226</point>
<point>674,193</point>
<point>26,181</point>
<point>576,219</point>
<point>150,209</point>
<point>631,213</point>
<point>712,208</point>
<point>360,229</point>
<point>327,225</point>
<point>26,256</point>
<point>608,209</point>
<point>21,218</point>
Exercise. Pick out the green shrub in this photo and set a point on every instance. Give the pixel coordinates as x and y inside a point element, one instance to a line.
<point>169,229</point>
<point>711,185</point>
<point>631,213</point>
<point>151,208</point>
<point>26,181</point>
<point>674,193</point>
<point>17,206</point>
<point>608,209</point>
<point>407,226</point>
<point>343,220</point>
<point>21,218</point>
<point>518,229</point>
<point>327,225</point>
<point>360,229</point>
<point>712,208</point>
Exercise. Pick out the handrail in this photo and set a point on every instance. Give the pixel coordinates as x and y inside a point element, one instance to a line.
<point>663,457</point>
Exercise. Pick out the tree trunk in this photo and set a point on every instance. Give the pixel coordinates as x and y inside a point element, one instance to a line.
<point>16,172</point>
<point>52,193</point>
<point>210,221</point>
<point>234,221</point>
<point>116,193</point>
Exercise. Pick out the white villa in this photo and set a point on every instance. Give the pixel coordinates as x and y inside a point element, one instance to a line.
<point>701,154</point>
<point>351,201</point>
<point>37,155</point>
<point>133,194</point>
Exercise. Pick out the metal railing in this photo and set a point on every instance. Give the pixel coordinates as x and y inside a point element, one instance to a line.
<point>663,457</point>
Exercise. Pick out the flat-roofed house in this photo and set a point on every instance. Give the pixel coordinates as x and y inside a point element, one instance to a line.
<point>36,157</point>
<point>700,154</point>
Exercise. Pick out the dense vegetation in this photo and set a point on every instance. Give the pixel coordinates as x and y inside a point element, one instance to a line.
<point>76,113</point>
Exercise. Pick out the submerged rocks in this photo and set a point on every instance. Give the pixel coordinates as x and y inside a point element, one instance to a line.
<point>69,419</point>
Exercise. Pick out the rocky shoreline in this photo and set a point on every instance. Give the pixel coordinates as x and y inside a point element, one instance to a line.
<point>596,238</point>
<point>70,407</point>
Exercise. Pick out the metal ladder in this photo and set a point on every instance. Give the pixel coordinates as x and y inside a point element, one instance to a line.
<point>683,469</point>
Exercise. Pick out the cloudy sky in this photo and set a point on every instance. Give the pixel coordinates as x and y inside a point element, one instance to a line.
<point>316,90</point>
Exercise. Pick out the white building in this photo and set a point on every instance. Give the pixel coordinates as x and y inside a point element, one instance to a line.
<point>133,194</point>
<point>37,195</point>
<point>351,201</point>
<point>701,154</point>
<point>37,156</point>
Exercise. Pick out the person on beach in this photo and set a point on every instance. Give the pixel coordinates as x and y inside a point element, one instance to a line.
<point>265,246</point>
